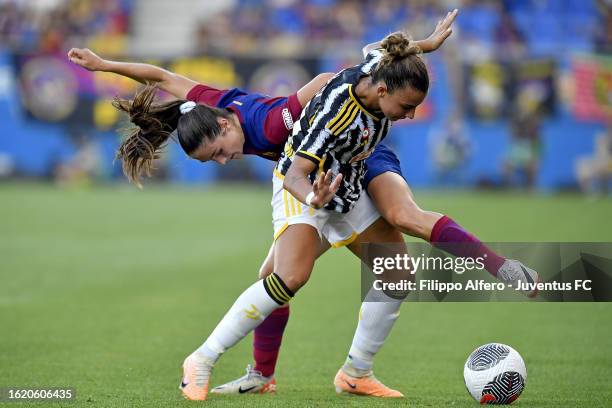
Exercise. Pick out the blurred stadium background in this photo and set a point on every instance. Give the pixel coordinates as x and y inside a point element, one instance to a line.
<point>521,94</point>
<point>105,288</point>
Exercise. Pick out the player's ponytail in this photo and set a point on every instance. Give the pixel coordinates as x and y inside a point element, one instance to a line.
<point>144,141</point>
<point>154,122</point>
<point>401,64</point>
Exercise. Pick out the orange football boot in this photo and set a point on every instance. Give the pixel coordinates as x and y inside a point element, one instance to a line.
<point>367,385</point>
<point>196,376</point>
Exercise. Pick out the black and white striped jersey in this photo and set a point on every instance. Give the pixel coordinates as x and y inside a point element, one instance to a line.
<point>336,131</point>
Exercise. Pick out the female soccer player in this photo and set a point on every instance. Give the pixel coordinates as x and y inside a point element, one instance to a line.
<point>337,130</point>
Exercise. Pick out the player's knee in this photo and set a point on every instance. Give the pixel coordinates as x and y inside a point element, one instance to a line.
<point>410,219</point>
<point>294,280</point>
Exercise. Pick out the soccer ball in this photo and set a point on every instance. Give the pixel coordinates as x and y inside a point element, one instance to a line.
<point>495,374</point>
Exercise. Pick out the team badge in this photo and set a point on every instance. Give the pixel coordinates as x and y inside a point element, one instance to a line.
<point>365,135</point>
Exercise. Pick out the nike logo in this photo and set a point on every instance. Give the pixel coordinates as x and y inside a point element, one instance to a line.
<point>243,390</point>
<point>183,384</point>
<point>527,276</point>
<point>353,386</point>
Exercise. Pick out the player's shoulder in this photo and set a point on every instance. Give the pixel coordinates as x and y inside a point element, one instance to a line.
<point>205,94</point>
<point>254,107</point>
<point>239,95</point>
<point>337,89</point>
<point>256,101</point>
<point>212,96</point>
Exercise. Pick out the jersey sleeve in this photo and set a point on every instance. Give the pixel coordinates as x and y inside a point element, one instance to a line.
<point>205,94</point>
<point>371,60</point>
<point>318,138</point>
<point>328,124</point>
<point>280,119</point>
<point>315,145</point>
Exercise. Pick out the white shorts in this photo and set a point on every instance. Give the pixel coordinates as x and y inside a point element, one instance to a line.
<point>337,228</point>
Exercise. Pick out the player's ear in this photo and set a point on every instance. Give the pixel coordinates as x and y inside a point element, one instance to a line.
<point>223,123</point>
<point>381,89</point>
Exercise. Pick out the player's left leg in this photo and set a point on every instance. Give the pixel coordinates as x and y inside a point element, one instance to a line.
<point>394,200</point>
<point>268,336</point>
<point>297,247</point>
<point>267,339</point>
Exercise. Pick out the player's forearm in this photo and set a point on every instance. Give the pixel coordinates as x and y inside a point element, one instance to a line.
<point>137,71</point>
<point>298,186</point>
<point>424,46</point>
<point>297,183</point>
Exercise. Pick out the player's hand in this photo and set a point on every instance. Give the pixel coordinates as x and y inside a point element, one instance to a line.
<point>86,58</point>
<point>442,31</point>
<point>324,189</point>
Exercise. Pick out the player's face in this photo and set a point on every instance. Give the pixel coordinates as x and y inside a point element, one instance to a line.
<point>227,146</point>
<point>400,104</point>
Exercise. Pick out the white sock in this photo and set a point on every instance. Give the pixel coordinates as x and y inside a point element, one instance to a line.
<point>375,322</point>
<point>247,312</point>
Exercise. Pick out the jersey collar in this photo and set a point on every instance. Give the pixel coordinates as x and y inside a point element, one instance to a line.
<point>361,106</point>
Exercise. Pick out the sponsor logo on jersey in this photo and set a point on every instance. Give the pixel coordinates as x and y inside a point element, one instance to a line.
<point>287,118</point>
<point>361,156</point>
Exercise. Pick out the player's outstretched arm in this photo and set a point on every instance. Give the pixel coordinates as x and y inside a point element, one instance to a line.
<point>170,82</point>
<point>316,195</point>
<point>442,31</point>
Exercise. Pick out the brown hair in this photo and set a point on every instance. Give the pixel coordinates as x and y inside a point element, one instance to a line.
<point>154,122</point>
<point>401,64</point>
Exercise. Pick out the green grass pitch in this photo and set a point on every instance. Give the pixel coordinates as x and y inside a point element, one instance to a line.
<point>107,290</point>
